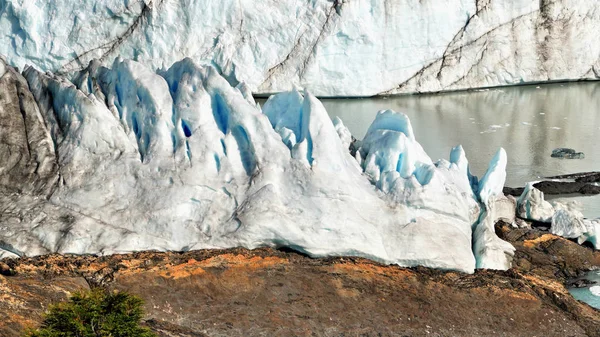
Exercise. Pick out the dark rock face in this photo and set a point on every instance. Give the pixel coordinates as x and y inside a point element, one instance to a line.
<point>586,177</point>
<point>28,163</point>
<point>581,183</point>
<point>266,292</point>
<point>566,153</point>
<point>592,177</point>
<point>555,187</point>
<point>580,283</point>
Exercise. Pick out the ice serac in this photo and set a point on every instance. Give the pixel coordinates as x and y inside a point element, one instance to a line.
<point>491,252</point>
<point>532,206</point>
<point>491,184</point>
<point>124,159</point>
<point>332,48</point>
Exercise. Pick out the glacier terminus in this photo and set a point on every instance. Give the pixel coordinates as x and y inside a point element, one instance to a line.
<point>132,125</point>
<point>123,158</point>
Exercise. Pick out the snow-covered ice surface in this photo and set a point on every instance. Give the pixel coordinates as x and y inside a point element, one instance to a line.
<point>179,159</point>
<point>331,47</point>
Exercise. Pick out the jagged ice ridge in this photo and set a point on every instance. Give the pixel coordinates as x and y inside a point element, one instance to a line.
<point>125,158</point>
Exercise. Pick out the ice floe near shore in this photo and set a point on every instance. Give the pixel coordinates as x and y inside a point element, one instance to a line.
<point>565,219</point>
<point>333,48</point>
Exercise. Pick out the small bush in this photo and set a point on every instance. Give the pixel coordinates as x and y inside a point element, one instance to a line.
<point>95,313</point>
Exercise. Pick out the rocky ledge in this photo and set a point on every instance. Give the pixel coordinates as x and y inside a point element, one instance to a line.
<point>585,183</point>
<point>239,292</point>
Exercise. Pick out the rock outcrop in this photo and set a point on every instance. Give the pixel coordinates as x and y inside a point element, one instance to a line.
<point>267,292</point>
<point>28,156</point>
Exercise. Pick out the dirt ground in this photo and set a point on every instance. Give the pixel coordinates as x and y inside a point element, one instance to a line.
<point>266,292</point>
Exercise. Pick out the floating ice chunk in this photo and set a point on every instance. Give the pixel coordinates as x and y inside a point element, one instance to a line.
<point>495,127</point>
<point>532,206</point>
<point>595,290</point>
<point>567,153</point>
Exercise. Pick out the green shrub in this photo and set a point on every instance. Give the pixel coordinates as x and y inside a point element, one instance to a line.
<point>95,313</point>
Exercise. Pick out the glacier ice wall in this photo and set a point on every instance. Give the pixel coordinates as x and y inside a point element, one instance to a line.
<point>125,158</point>
<point>330,47</point>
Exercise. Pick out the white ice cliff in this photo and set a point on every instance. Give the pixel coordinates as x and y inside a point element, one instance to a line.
<point>124,158</point>
<point>330,47</point>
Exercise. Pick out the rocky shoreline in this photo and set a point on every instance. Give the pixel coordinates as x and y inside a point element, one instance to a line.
<point>240,292</point>
<point>585,183</point>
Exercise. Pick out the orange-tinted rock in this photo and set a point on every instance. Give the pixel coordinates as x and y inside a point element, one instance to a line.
<point>238,292</point>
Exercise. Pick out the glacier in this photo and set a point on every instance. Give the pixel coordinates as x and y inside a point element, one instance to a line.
<point>126,158</point>
<point>329,47</point>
